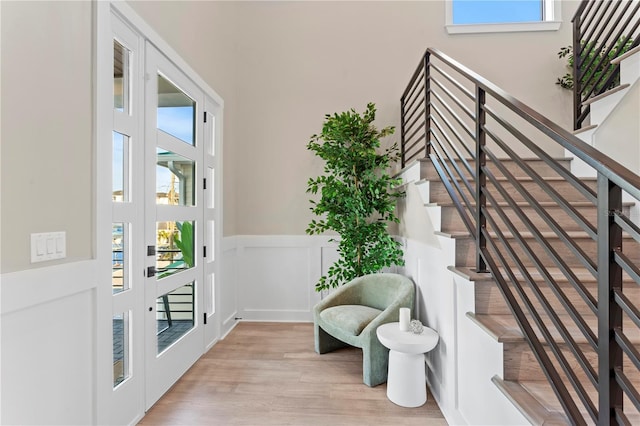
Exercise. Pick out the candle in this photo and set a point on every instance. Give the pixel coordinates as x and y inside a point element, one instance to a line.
<point>405,318</point>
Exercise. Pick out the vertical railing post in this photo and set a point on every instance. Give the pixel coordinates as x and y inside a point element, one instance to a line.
<point>403,153</point>
<point>427,105</point>
<point>577,101</point>
<point>609,313</point>
<point>481,179</point>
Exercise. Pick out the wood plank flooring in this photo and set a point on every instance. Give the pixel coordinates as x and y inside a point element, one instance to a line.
<point>269,374</point>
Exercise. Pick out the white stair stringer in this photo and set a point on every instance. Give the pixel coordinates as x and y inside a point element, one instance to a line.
<point>606,111</point>
<point>467,358</point>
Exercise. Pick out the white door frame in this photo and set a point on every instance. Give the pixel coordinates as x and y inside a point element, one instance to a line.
<point>108,401</point>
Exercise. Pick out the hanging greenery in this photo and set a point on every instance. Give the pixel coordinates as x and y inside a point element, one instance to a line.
<point>358,196</point>
<point>599,62</point>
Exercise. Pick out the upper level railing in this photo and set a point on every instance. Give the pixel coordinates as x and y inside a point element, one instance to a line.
<point>602,31</point>
<point>559,247</point>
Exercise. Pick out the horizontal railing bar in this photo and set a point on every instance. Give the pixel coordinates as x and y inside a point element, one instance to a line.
<point>598,20</point>
<point>603,27</point>
<point>566,304</point>
<point>555,319</point>
<point>627,225</point>
<point>413,156</point>
<point>406,101</point>
<point>548,368</point>
<point>414,76</point>
<point>416,142</point>
<point>621,418</point>
<point>420,96</point>
<point>468,93</point>
<point>434,120</point>
<point>450,126</point>
<point>451,111</point>
<point>628,266</point>
<point>408,117</point>
<point>454,147</point>
<point>620,175</point>
<point>628,347</point>
<point>450,175</point>
<point>451,159</point>
<point>563,203</point>
<point>453,97</point>
<point>573,280</point>
<point>415,120</point>
<point>417,129</point>
<point>564,237</point>
<point>627,387</point>
<point>463,215</point>
<point>627,306</point>
<point>587,192</point>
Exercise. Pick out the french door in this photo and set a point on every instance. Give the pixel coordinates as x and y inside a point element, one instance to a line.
<point>174,223</point>
<point>165,222</point>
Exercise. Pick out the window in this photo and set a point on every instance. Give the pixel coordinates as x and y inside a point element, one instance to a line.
<point>479,16</point>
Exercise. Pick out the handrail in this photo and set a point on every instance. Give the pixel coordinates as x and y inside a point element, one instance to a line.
<point>467,120</point>
<point>596,41</point>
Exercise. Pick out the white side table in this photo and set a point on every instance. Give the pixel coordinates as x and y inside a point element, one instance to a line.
<point>406,380</point>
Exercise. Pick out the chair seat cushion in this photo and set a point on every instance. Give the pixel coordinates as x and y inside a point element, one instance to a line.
<point>352,319</point>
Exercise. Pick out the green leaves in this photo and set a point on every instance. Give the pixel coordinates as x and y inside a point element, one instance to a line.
<point>357,195</point>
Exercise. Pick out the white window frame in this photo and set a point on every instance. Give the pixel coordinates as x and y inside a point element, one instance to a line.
<point>551,22</point>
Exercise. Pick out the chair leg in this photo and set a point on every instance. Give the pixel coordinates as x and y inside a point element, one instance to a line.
<point>375,362</point>
<point>324,342</point>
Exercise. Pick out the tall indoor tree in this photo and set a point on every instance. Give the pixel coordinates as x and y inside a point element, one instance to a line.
<point>357,195</point>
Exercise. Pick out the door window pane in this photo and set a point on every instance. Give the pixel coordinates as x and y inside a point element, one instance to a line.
<point>174,315</point>
<point>175,183</point>
<point>120,168</point>
<point>121,56</point>
<point>119,257</point>
<point>120,348</point>
<point>176,111</point>
<point>176,247</point>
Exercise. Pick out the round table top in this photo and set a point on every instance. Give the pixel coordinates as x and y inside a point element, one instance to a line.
<point>407,342</point>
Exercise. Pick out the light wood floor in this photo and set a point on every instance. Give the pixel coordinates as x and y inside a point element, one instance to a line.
<point>269,374</point>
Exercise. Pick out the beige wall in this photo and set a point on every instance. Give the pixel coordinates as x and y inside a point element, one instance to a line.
<point>300,60</point>
<point>46,132</point>
<point>280,66</point>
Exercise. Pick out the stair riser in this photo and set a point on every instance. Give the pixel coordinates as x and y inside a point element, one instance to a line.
<point>451,221</point>
<point>466,251</point>
<point>427,171</point>
<point>438,192</point>
<point>489,300</point>
<point>521,365</point>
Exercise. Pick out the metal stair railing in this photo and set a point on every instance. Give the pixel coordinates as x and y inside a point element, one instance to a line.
<point>602,31</point>
<point>481,141</point>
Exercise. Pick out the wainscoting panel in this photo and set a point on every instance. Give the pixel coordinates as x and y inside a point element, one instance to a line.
<point>276,275</point>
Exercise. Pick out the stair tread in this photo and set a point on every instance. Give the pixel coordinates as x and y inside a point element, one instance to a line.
<point>605,94</point>
<point>503,328</point>
<point>625,55</point>
<point>582,274</point>
<point>535,411</point>
<point>545,234</point>
<point>541,203</point>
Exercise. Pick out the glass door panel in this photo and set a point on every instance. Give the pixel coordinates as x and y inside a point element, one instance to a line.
<point>175,315</point>
<point>174,224</point>
<point>176,113</point>
<point>175,179</point>
<point>175,247</point>
<point>120,348</point>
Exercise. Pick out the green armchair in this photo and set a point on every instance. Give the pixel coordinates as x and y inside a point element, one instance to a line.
<point>352,313</point>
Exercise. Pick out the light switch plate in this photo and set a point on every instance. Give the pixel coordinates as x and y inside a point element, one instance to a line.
<point>48,246</point>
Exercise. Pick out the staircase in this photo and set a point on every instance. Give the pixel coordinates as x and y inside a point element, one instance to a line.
<point>522,381</point>
<point>553,241</point>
